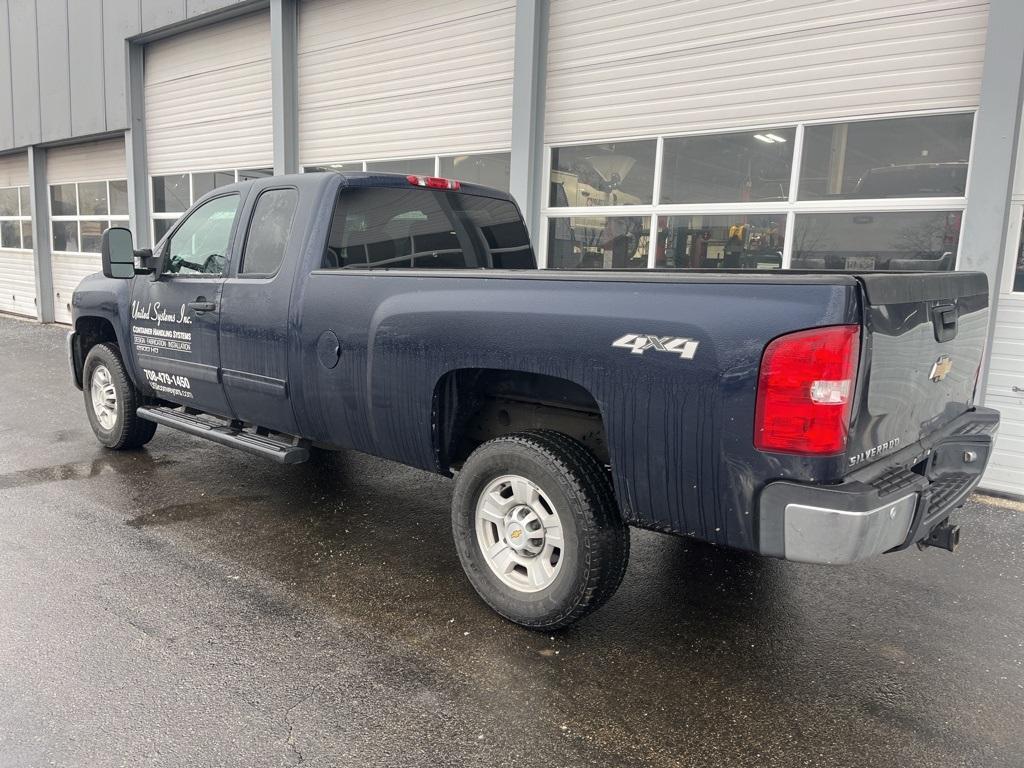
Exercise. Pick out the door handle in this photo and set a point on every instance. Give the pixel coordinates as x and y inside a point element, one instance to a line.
<point>201,305</point>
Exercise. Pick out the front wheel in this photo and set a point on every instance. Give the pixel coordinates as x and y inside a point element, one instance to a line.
<point>111,400</point>
<point>538,530</point>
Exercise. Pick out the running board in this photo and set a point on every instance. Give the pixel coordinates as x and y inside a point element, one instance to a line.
<point>226,434</point>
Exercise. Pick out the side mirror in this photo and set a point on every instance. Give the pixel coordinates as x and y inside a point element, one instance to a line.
<point>118,254</point>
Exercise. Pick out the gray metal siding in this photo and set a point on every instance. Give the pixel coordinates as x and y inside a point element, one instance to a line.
<point>62,63</point>
<point>85,44</point>
<point>6,115</point>
<point>120,20</point>
<point>24,72</point>
<point>54,70</point>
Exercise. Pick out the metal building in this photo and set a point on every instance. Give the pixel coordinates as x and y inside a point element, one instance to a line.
<point>856,135</point>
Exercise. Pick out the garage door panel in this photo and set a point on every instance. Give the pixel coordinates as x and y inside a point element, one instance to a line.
<point>328,24</point>
<point>208,98</point>
<point>581,31</point>
<point>68,271</point>
<point>94,161</point>
<point>17,282</point>
<point>1006,371</point>
<point>776,61</point>
<point>396,79</point>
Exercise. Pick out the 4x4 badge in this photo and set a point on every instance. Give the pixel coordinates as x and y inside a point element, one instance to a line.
<point>638,343</point>
<point>941,368</point>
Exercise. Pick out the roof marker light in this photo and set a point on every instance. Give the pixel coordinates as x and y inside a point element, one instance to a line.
<point>433,182</point>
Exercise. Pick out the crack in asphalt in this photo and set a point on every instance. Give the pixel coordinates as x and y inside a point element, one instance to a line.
<point>290,741</point>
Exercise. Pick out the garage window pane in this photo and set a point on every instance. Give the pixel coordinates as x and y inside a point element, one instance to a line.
<point>10,234</point>
<point>92,198</point>
<point>621,173</point>
<point>919,241</point>
<point>207,182</point>
<point>26,235</point>
<point>170,193</point>
<point>92,232</point>
<point>488,170</point>
<point>62,200</point>
<point>9,201</point>
<point>728,168</point>
<point>119,197</point>
<point>255,173</point>
<point>161,227</point>
<point>422,166</point>
<point>598,242</point>
<point>353,167</point>
<point>904,157</point>
<point>65,236</point>
<point>721,242</point>
<point>26,204</point>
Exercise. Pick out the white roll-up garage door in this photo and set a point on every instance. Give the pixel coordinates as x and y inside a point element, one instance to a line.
<point>208,98</point>
<point>385,79</point>
<point>17,266</point>
<point>84,173</point>
<point>646,67</point>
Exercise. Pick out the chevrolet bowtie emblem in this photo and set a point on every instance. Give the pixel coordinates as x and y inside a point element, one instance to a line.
<point>941,368</point>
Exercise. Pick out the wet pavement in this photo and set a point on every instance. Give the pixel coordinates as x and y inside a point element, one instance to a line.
<point>191,605</point>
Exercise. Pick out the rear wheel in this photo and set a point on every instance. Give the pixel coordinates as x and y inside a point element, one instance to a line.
<point>111,400</point>
<point>538,530</point>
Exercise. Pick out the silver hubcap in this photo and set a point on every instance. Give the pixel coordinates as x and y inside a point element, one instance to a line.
<point>104,397</point>
<point>520,533</point>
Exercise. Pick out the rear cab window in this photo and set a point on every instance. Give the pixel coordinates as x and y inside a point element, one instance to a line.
<point>269,231</point>
<point>396,228</point>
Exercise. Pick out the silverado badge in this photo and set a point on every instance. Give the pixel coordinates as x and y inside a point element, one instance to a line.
<point>941,368</point>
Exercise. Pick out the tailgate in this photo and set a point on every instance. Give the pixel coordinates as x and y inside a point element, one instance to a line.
<point>925,335</point>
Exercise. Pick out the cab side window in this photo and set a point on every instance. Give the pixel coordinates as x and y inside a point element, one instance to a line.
<point>269,231</point>
<point>199,246</point>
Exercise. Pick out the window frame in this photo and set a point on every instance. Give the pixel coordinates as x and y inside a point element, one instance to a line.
<point>791,207</point>
<point>20,220</point>
<point>173,216</point>
<point>239,269</point>
<point>111,220</point>
<point>231,239</point>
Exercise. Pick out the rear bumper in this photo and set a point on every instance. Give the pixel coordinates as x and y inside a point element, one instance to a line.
<point>886,506</point>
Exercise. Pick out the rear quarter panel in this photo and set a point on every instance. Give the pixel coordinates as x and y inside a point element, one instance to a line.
<point>679,431</point>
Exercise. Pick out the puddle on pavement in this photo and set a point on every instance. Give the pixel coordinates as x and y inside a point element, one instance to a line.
<point>192,510</point>
<point>82,470</point>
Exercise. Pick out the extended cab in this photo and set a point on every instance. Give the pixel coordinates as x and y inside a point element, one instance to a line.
<point>821,417</point>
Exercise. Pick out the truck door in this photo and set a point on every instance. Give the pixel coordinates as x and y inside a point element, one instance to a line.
<point>174,319</point>
<point>254,325</point>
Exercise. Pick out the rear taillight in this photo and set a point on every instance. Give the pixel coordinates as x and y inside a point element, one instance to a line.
<point>433,182</point>
<point>805,391</point>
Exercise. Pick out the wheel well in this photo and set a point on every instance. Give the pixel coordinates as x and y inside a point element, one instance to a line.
<point>473,405</point>
<point>90,331</point>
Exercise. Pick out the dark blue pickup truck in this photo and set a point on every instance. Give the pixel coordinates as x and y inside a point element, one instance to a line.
<point>820,417</point>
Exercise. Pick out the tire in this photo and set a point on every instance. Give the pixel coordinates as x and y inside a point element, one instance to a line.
<point>549,480</point>
<point>115,425</point>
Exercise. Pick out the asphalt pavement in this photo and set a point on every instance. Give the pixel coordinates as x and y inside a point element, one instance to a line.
<point>187,604</point>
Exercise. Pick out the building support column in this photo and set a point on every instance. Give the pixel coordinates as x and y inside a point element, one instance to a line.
<point>284,82</point>
<point>528,85</point>
<point>135,147</point>
<point>996,136</point>
<point>39,195</point>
